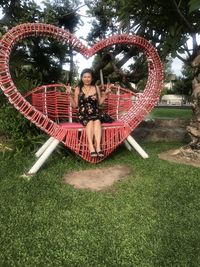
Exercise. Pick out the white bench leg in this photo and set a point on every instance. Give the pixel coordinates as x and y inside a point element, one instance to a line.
<point>127,145</point>
<point>44,157</point>
<point>44,147</point>
<point>131,141</point>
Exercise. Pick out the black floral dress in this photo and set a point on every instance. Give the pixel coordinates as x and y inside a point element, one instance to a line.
<point>88,108</point>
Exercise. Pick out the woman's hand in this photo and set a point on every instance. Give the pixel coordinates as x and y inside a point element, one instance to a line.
<point>68,89</point>
<point>73,95</point>
<point>102,96</point>
<point>108,88</point>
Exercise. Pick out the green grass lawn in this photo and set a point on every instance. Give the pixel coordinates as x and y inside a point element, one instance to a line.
<point>152,218</point>
<point>171,113</point>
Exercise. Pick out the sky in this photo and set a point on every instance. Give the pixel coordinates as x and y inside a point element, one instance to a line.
<point>177,66</point>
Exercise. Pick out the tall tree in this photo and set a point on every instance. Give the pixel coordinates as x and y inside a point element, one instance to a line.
<point>44,58</point>
<point>18,11</point>
<point>183,84</point>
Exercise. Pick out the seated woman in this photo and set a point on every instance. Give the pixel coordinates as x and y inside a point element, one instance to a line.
<point>87,97</point>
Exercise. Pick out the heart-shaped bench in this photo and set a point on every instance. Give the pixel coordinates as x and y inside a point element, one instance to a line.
<point>67,133</point>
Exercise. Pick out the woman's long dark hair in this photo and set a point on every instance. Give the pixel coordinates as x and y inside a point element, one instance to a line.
<point>82,73</point>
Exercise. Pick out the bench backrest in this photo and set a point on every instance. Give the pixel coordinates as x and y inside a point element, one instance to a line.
<point>53,101</point>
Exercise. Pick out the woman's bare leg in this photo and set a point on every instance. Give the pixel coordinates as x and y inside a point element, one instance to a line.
<point>97,134</point>
<point>90,135</point>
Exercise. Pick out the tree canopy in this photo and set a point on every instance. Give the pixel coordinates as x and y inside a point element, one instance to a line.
<point>168,25</point>
<point>37,61</point>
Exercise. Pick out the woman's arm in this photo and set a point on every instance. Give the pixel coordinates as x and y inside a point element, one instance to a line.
<point>74,99</point>
<point>103,96</point>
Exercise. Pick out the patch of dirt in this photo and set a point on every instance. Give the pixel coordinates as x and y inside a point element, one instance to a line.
<point>97,179</point>
<point>182,155</point>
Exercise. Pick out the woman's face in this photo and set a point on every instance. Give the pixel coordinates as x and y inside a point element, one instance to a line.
<point>87,78</point>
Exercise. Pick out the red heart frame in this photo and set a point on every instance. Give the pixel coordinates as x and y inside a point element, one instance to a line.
<point>130,120</point>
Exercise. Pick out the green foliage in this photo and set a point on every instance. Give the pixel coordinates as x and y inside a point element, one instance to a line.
<point>20,132</point>
<point>38,59</point>
<point>151,218</point>
<point>18,11</point>
<point>194,5</point>
<point>61,13</point>
<point>183,84</point>
<point>24,74</point>
<point>141,85</point>
<point>167,24</point>
<point>165,91</point>
<point>45,57</point>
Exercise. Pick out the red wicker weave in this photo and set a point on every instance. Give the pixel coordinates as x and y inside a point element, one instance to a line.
<point>128,114</point>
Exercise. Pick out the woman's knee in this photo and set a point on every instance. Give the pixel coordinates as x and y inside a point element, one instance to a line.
<point>89,124</point>
<point>97,123</point>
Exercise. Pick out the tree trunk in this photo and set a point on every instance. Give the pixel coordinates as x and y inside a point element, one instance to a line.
<point>194,127</point>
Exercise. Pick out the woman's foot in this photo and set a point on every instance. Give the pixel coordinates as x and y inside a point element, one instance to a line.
<point>93,154</point>
<point>100,154</point>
